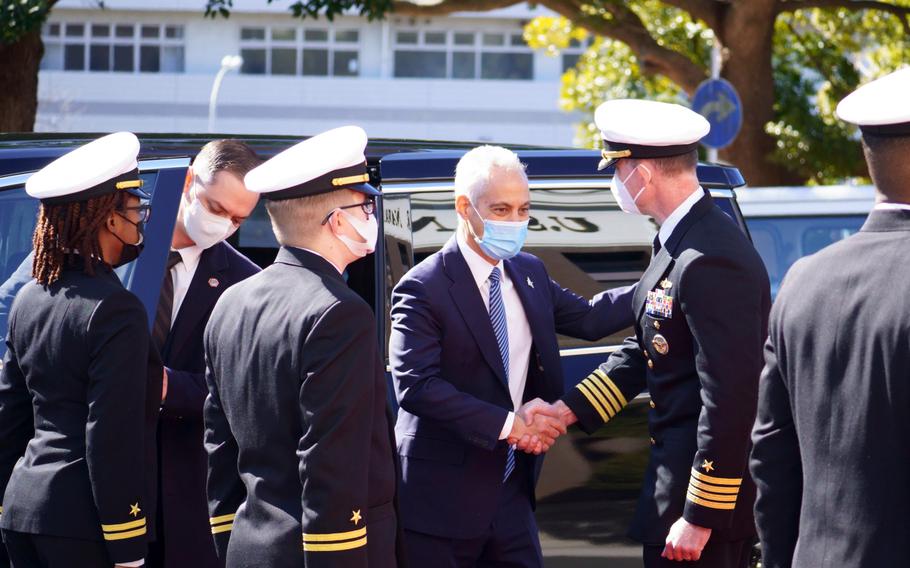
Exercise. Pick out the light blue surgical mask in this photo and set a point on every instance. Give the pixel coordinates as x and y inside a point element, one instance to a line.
<point>501,239</point>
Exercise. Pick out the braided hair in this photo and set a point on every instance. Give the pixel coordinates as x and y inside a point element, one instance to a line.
<point>70,230</point>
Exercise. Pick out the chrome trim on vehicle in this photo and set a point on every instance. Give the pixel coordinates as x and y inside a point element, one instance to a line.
<point>398,188</point>
<point>578,351</point>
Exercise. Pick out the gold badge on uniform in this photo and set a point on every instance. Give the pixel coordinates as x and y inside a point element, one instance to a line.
<point>666,284</point>
<point>660,344</point>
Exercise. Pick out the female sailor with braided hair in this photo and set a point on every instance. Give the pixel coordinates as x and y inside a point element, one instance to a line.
<point>78,390</point>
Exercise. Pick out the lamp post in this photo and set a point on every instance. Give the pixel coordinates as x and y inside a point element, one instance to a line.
<point>228,63</point>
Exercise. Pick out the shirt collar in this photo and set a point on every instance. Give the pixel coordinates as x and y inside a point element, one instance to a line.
<point>681,211</point>
<point>480,268</point>
<point>889,206</point>
<point>190,257</point>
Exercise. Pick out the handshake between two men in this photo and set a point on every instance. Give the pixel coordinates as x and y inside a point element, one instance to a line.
<point>538,424</point>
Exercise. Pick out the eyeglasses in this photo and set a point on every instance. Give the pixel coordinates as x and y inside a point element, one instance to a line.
<point>368,207</point>
<point>145,212</point>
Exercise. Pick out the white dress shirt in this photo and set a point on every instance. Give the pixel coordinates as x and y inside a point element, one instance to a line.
<point>182,274</point>
<point>516,321</point>
<point>887,205</point>
<point>681,211</point>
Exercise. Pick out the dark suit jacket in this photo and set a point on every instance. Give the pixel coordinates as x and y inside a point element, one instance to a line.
<point>79,393</point>
<point>298,430</point>
<point>833,430</point>
<point>187,535</point>
<point>701,363</point>
<point>453,390</point>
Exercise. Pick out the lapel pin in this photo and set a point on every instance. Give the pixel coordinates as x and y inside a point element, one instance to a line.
<point>214,283</point>
<point>530,282</point>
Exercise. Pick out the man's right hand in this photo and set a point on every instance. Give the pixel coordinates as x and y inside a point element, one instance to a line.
<point>537,425</point>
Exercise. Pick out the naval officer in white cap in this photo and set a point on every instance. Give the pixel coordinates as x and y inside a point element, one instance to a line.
<point>833,428</point>
<point>298,430</point>
<point>701,312</point>
<point>79,386</point>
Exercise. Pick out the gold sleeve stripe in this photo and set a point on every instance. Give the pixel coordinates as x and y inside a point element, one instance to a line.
<point>593,401</point>
<point>598,394</point>
<point>221,519</point>
<point>335,547</point>
<point>713,488</point>
<point>711,504</point>
<point>124,526</point>
<point>222,528</point>
<point>330,537</point>
<point>595,385</point>
<point>713,496</point>
<point>124,535</point>
<point>716,480</point>
<point>618,393</point>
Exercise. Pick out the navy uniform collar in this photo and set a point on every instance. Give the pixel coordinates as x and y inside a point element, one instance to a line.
<point>887,220</point>
<point>306,259</point>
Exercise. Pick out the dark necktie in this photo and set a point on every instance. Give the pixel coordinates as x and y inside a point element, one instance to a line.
<point>165,303</point>
<point>656,248</point>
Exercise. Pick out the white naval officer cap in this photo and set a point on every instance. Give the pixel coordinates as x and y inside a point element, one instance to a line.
<point>106,165</point>
<point>326,162</point>
<point>640,129</point>
<point>881,107</point>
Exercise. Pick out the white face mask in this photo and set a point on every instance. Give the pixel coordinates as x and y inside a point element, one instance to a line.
<point>204,227</point>
<point>368,230</point>
<point>621,193</point>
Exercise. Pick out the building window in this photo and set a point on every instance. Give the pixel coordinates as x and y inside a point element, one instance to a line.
<point>573,53</point>
<point>447,54</point>
<point>82,46</point>
<point>315,52</point>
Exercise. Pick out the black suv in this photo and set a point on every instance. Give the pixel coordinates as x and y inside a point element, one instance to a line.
<point>590,484</point>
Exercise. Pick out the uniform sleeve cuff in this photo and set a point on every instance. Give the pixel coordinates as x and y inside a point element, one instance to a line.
<point>507,427</point>
<point>711,500</point>
<point>595,400</point>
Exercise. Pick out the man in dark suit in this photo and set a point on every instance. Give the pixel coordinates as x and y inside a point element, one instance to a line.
<point>473,339</point>
<point>833,428</point>
<point>201,266</point>
<point>298,426</point>
<point>701,314</point>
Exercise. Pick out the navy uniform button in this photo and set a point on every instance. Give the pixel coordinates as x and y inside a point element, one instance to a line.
<point>653,441</point>
<point>650,364</point>
<point>653,405</point>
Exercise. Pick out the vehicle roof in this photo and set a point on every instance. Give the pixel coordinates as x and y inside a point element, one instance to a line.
<point>796,201</point>
<point>399,159</point>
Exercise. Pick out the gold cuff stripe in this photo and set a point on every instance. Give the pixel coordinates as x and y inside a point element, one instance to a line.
<point>124,526</point>
<point>128,184</point>
<point>711,504</point>
<point>221,519</point>
<point>713,496</point>
<point>595,390</point>
<point>593,401</point>
<point>716,480</point>
<point>713,488</point>
<point>618,393</point>
<point>593,381</point>
<point>124,535</point>
<point>222,528</point>
<point>330,537</point>
<point>351,179</point>
<point>335,547</point>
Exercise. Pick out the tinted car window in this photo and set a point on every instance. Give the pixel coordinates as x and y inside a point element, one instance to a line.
<point>781,241</point>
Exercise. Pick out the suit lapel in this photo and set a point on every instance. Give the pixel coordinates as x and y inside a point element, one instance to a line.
<point>205,289</point>
<point>470,304</point>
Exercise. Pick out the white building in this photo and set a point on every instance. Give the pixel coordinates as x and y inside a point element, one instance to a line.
<point>149,67</point>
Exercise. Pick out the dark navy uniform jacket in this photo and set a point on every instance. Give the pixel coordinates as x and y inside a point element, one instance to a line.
<point>184,509</point>
<point>298,428</point>
<point>453,389</point>
<point>79,395</point>
<point>701,309</point>
<point>833,432</point>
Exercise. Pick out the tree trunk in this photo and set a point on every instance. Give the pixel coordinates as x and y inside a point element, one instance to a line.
<point>19,82</point>
<point>747,31</point>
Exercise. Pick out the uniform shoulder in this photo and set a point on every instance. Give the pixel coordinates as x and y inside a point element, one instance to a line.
<point>238,262</point>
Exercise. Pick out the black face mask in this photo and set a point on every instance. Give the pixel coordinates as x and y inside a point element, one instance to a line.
<point>130,252</point>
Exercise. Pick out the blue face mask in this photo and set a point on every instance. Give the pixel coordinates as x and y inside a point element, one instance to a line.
<point>501,239</point>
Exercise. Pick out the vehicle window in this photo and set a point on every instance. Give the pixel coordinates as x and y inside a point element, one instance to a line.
<point>781,241</point>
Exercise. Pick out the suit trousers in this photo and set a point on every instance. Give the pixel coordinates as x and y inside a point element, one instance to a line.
<point>42,551</point>
<point>715,555</point>
<point>511,540</point>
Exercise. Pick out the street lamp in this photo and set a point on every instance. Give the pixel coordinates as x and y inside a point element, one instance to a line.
<point>228,63</point>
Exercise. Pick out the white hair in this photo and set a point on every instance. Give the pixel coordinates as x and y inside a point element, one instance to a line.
<point>474,169</point>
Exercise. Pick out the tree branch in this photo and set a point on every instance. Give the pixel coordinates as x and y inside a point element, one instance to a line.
<point>901,12</point>
<point>704,10</point>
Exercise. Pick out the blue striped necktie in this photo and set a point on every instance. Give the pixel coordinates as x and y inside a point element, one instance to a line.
<point>501,330</point>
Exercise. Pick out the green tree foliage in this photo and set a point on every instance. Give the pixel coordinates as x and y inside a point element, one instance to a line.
<point>19,16</point>
<point>819,56</point>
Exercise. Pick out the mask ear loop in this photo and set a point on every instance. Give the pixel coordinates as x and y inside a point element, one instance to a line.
<point>643,187</point>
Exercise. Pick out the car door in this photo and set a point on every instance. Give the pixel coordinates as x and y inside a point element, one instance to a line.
<point>18,213</point>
